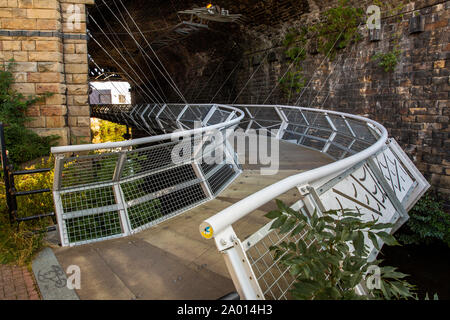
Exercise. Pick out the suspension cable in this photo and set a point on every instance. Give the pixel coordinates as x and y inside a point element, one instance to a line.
<point>137,43</point>
<point>132,58</point>
<point>142,53</point>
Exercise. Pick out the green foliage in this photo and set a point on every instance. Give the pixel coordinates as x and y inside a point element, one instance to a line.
<point>107,131</point>
<point>23,144</point>
<point>388,60</point>
<point>339,27</point>
<point>294,81</point>
<point>428,222</point>
<point>17,244</point>
<point>321,258</point>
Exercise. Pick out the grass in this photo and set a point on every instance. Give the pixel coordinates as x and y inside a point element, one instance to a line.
<point>18,243</point>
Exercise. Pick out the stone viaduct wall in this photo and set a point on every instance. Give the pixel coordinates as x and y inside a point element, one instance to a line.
<point>47,40</point>
<point>412,101</point>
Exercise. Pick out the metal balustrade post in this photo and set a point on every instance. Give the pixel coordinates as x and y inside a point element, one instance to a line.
<point>332,136</point>
<point>209,115</point>
<point>57,183</point>
<point>238,265</point>
<point>118,193</point>
<point>284,123</point>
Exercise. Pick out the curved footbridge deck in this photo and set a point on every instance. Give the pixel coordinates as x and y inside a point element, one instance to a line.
<point>171,260</point>
<point>129,213</point>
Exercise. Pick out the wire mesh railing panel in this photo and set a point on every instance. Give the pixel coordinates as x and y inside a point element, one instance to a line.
<point>273,277</point>
<point>362,131</point>
<point>141,161</point>
<point>221,177</point>
<point>149,184</point>
<point>85,170</point>
<point>96,227</point>
<point>88,199</point>
<point>127,186</point>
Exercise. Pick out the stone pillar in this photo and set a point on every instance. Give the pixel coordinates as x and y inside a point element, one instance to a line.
<point>47,40</point>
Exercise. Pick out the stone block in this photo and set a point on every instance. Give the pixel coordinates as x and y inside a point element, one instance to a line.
<point>12,45</point>
<point>48,46</point>
<point>48,24</point>
<point>75,58</point>
<point>77,89</point>
<point>25,67</point>
<point>50,87</point>
<point>18,24</point>
<point>53,110</point>
<point>42,13</point>
<point>20,56</point>
<point>28,45</point>
<point>25,3</point>
<point>76,68</point>
<point>79,110</point>
<point>45,56</point>
<point>54,122</point>
<point>24,88</point>
<point>46,77</point>
<point>45,4</point>
<point>49,67</point>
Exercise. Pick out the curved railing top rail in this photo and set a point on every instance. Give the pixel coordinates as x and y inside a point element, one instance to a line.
<point>220,221</point>
<point>123,144</point>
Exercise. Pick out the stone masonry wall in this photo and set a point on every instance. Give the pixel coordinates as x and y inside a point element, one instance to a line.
<point>412,102</point>
<point>50,52</point>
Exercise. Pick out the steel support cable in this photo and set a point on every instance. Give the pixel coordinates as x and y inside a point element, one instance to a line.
<point>142,53</point>
<point>126,61</point>
<point>154,53</point>
<point>323,84</point>
<point>232,71</point>
<point>139,46</point>
<point>343,68</point>
<point>140,69</point>
<point>251,77</point>
<point>214,73</point>
<point>329,75</point>
<point>284,75</point>
<point>123,70</point>
<point>172,84</point>
<point>309,82</point>
<point>119,65</point>
<point>129,117</point>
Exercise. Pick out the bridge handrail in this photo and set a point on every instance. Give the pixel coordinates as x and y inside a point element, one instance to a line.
<point>152,139</point>
<point>225,218</point>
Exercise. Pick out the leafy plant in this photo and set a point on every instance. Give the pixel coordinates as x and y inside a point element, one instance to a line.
<point>17,244</point>
<point>106,131</point>
<point>328,257</point>
<point>428,222</point>
<point>294,80</point>
<point>388,60</point>
<point>23,144</point>
<point>339,27</point>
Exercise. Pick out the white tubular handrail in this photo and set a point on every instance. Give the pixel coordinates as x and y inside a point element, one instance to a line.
<point>220,221</point>
<point>152,139</point>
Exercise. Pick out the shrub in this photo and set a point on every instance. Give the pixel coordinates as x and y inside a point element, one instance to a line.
<point>388,61</point>
<point>428,222</point>
<point>22,143</point>
<point>328,257</point>
<point>17,242</point>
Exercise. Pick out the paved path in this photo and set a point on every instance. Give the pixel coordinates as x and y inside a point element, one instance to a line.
<point>172,260</point>
<point>17,283</point>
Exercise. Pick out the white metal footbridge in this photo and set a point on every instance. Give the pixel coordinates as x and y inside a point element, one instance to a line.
<point>113,190</point>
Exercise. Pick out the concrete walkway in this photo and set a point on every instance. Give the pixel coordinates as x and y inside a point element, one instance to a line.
<point>172,260</point>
